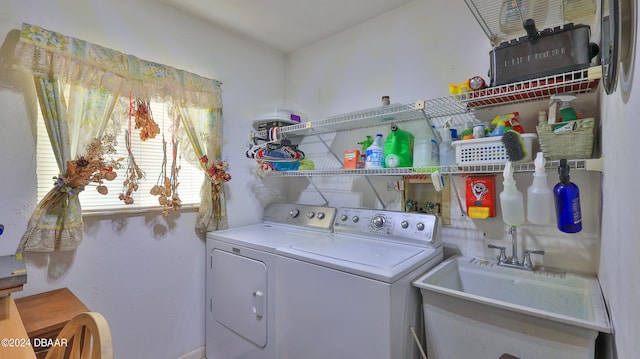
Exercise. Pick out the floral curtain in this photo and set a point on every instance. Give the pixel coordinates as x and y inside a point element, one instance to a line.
<point>95,77</point>
<point>56,223</point>
<point>50,54</point>
<point>203,127</point>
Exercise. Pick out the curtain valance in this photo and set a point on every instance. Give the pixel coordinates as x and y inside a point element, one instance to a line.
<point>50,54</point>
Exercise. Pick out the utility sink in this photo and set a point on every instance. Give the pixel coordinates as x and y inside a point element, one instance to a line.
<point>502,310</point>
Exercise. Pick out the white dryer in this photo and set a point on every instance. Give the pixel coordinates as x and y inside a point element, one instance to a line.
<point>348,294</point>
<point>240,278</point>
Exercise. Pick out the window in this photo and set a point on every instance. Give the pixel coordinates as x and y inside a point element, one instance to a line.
<point>148,155</point>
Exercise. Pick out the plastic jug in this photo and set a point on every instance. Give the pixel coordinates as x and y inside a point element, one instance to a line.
<point>426,151</point>
<point>539,195</point>
<point>511,200</point>
<point>398,148</point>
<point>375,154</point>
<point>446,151</point>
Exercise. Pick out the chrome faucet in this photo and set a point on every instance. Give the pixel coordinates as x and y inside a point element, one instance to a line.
<point>513,262</point>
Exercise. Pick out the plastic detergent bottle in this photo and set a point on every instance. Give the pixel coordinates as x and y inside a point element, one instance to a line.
<point>539,195</point>
<point>426,151</point>
<point>363,153</point>
<point>567,199</point>
<point>398,148</point>
<point>511,200</point>
<point>446,151</point>
<point>375,154</point>
<point>566,111</point>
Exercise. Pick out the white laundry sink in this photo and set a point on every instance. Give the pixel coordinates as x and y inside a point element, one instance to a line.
<point>503,310</point>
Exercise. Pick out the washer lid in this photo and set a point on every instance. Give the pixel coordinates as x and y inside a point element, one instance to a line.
<point>362,251</point>
<point>375,259</point>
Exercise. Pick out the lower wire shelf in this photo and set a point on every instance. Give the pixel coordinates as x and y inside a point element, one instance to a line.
<point>576,164</point>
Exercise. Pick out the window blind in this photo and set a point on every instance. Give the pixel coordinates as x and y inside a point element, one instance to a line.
<point>148,155</point>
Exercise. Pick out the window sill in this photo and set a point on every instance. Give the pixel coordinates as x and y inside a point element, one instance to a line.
<point>135,211</point>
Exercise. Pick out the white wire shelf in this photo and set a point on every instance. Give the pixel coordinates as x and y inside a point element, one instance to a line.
<point>383,115</point>
<point>579,81</point>
<point>577,164</point>
<point>502,20</point>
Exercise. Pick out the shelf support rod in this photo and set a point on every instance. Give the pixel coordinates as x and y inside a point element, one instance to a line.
<point>326,202</point>
<point>453,187</point>
<point>327,146</point>
<point>342,163</point>
<point>421,106</point>
<point>375,192</point>
<point>476,13</point>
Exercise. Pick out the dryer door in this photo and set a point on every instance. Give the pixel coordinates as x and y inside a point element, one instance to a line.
<point>239,295</point>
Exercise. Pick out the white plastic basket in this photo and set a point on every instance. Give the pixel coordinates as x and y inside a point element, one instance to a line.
<point>488,150</point>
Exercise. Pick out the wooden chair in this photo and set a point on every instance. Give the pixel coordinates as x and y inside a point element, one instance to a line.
<point>85,336</point>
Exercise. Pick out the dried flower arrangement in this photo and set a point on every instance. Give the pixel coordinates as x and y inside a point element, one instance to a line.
<point>133,175</point>
<point>166,187</point>
<point>144,120</point>
<point>94,167</point>
<point>217,172</point>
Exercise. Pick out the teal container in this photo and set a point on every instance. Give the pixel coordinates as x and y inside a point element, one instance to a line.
<point>398,148</point>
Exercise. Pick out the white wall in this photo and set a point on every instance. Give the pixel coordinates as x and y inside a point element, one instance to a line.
<point>145,273</point>
<point>414,53</point>
<point>619,265</point>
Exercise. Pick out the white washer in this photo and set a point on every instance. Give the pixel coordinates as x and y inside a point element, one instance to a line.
<point>348,294</point>
<point>240,279</point>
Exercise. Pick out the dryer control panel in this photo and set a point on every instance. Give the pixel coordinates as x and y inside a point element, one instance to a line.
<point>414,228</point>
<point>309,216</point>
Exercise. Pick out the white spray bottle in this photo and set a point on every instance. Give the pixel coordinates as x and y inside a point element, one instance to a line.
<point>566,111</point>
<point>511,200</point>
<point>540,195</point>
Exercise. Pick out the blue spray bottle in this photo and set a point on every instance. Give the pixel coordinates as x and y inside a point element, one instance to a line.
<point>567,200</point>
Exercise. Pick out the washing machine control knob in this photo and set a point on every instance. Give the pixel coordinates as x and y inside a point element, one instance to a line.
<point>355,219</point>
<point>310,214</point>
<point>378,221</point>
<point>294,213</point>
<point>404,224</point>
<point>420,226</point>
<point>320,215</point>
<point>344,217</point>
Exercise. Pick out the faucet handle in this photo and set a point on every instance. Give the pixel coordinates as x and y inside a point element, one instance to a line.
<point>527,258</point>
<point>503,253</point>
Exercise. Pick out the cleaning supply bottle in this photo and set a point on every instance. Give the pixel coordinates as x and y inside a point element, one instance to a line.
<point>511,200</point>
<point>567,200</point>
<point>539,195</point>
<point>499,124</point>
<point>398,148</point>
<point>502,124</point>
<point>375,154</point>
<point>363,153</point>
<point>426,152</point>
<point>514,122</point>
<point>446,151</point>
<point>566,111</point>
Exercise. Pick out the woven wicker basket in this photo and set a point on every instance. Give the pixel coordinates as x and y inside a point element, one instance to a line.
<point>576,144</point>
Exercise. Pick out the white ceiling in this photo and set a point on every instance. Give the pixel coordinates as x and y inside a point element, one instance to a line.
<point>286,25</point>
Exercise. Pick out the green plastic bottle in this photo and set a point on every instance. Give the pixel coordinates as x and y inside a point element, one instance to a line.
<point>398,148</point>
